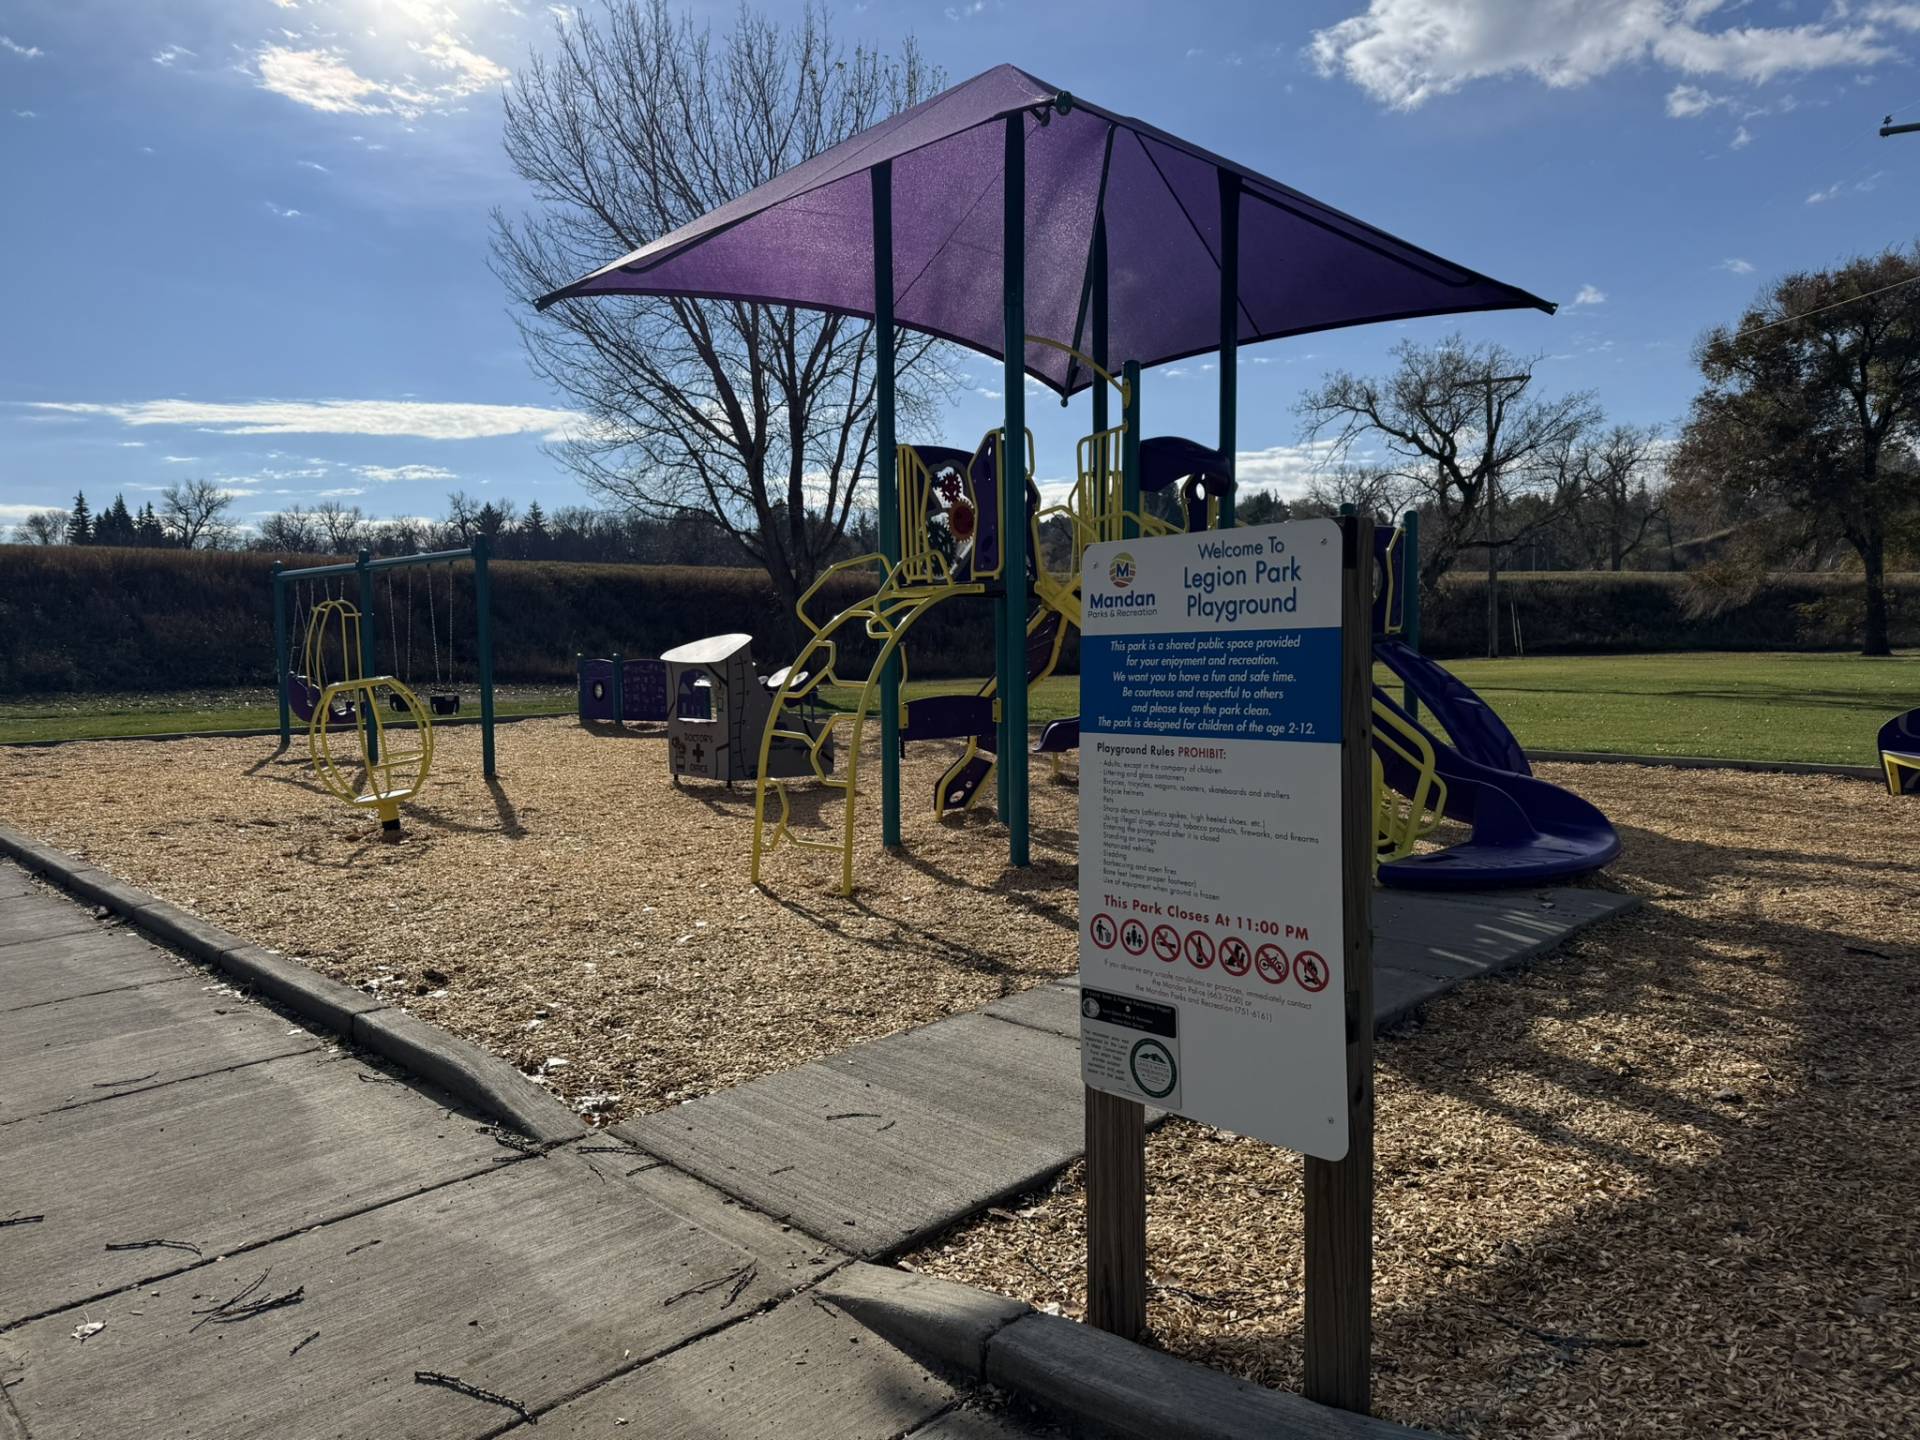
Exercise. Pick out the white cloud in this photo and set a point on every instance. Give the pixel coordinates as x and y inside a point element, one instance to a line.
<point>1590,295</point>
<point>313,165</point>
<point>421,419</point>
<point>1406,52</point>
<point>168,54</point>
<point>339,494</point>
<point>284,212</point>
<point>1742,138</point>
<point>385,473</point>
<point>180,459</point>
<point>133,444</point>
<point>1283,470</point>
<point>26,114</point>
<point>1820,197</point>
<point>967,11</point>
<point>25,52</point>
<point>1686,101</point>
<point>1734,265</point>
<point>326,80</point>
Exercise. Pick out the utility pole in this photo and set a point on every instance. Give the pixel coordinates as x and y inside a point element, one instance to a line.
<point>1887,127</point>
<point>1519,382</point>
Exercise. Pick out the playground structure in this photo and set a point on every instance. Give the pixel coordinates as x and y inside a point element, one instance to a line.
<point>1899,744</point>
<point>380,777</point>
<point>720,718</point>
<point>620,691</point>
<point>1140,252</point>
<point>301,694</point>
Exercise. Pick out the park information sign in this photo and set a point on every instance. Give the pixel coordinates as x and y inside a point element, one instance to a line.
<point>1211,844</point>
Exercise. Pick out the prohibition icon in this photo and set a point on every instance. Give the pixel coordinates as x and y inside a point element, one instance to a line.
<point>1310,970</point>
<point>1166,943</point>
<point>1235,957</point>
<point>1199,949</point>
<point>1271,962</point>
<point>1103,930</point>
<point>1133,935</point>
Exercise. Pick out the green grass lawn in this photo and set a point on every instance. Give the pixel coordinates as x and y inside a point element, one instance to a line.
<point>1823,708</point>
<point>172,712</point>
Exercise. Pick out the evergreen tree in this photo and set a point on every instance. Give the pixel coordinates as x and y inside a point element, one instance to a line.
<point>80,522</point>
<point>148,531</point>
<point>115,525</point>
<point>533,539</point>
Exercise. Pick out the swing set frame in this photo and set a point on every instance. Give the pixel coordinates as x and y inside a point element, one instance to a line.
<point>363,568</point>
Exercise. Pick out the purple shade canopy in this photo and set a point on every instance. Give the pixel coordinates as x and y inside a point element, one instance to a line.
<point>805,238</point>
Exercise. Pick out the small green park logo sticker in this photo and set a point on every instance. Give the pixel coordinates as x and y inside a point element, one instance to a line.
<point>1153,1068</point>
<point>1121,572</point>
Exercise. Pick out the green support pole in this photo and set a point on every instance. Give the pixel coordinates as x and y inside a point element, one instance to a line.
<point>1130,452</point>
<point>1014,518</point>
<point>619,687</point>
<point>889,482</point>
<point>1410,598</point>
<point>483,605</point>
<point>368,656</point>
<point>1100,386</point>
<point>280,653</point>
<point>1229,335</point>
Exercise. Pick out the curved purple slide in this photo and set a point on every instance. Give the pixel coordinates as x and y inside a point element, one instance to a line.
<point>1525,830</point>
<point>1477,732</point>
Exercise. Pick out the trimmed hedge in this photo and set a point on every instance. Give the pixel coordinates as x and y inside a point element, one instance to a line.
<point>1587,613</point>
<point>86,619</point>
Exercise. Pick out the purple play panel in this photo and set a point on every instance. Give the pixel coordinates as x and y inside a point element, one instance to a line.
<point>643,691</point>
<point>805,238</point>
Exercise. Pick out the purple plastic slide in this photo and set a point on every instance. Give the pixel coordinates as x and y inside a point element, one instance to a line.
<point>1525,830</point>
<point>1477,732</point>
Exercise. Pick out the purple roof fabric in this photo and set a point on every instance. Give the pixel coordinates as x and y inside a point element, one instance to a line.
<point>805,238</point>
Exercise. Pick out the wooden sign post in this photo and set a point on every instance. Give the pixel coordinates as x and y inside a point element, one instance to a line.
<point>1226,874</point>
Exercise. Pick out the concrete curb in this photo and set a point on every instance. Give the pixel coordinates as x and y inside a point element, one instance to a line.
<point>1097,1383</point>
<point>463,1070</point>
<point>1702,762</point>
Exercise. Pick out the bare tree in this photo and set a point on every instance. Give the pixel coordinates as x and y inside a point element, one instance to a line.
<point>757,420</point>
<point>1452,422</point>
<point>291,532</point>
<point>463,516</point>
<point>341,527</point>
<point>1613,504</point>
<point>42,527</point>
<point>1369,489</point>
<point>194,513</point>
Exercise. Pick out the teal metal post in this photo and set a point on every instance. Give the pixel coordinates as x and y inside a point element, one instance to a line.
<point>280,653</point>
<point>1014,518</point>
<point>368,658</point>
<point>483,606</point>
<point>1229,335</point>
<point>1130,452</point>
<point>1100,386</point>
<point>1410,598</point>
<point>619,685</point>
<point>889,483</point>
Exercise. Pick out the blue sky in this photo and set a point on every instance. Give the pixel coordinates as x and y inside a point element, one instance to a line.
<point>248,239</point>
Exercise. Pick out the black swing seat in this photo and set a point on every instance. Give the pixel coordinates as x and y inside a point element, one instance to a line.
<point>445,703</point>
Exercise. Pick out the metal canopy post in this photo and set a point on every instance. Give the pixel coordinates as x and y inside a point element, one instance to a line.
<point>889,482</point>
<point>368,667</point>
<point>1013,519</point>
<point>483,606</point>
<point>1229,335</point>
<point>1098,280</point>
<point>1130,452</point>
<point>1410,599</point>
<point>280,653</point>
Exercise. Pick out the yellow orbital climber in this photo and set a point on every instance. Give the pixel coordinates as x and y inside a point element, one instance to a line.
<point>373,774</point>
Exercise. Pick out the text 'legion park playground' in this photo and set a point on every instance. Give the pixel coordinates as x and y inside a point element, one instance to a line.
<point>780,1043</point>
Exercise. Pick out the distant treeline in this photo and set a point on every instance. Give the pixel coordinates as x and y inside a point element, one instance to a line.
<point>98,618</point>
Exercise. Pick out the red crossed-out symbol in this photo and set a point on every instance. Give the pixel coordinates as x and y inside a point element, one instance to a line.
<point>1271,962</point>
<point>1310,970</point>
<point>1133,935</point>
<point>1199,949</point>
<point>1235,957</point>
<point>1166,943</point>
<point>1103,930</point>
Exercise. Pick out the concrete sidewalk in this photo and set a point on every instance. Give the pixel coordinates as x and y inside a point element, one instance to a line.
<point>214,1222</point>
<point>888,1144</point>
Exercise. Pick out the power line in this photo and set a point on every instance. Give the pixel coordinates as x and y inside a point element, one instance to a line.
<point>1822,309</point>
